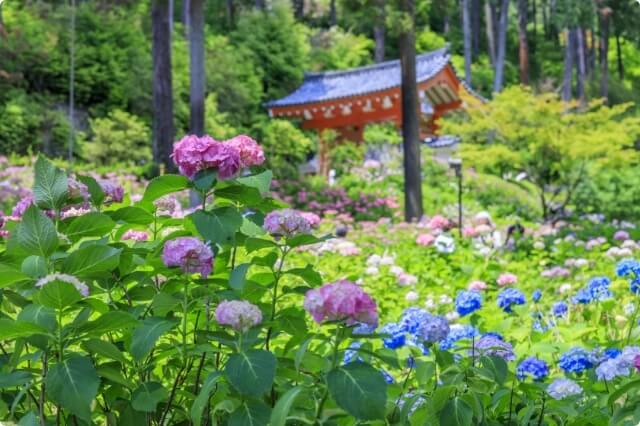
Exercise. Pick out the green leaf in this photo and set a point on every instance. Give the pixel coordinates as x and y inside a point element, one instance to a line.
<point>261,181</point>
<point>13,379</point>
<point>109,322</point>
<point>50,187</point>
<point>147,334</point>
<point>253,244</point>
<point>163,185</point>
<point>238,276</point>
<point>205,179</point>
<point>252,225</point>
<point>250,413</point>
<point>456,412</point>
<point>92,261</point>
<point>251,372</point>
<point>58,294</point>
<point>92,224</point>
<point>10,329</point>
<point>616,394</point>
<point>30,419</point>
<point>10,275</point>
<point>497,366</point>
<point>36,233</point>
<point>201,401</point>
<point>147,396</point>
<point>310,275</point>
<point>96,193</point>
<point>218,225</point>
<point>73,384</point>
<point>132,215</point>
<point>241,194</point>
<point>105,349</point>
<point>359,389</point>
<point>283,406</point>
<point>34,266</point>
<point>42,316</point>
<point>305,240</point>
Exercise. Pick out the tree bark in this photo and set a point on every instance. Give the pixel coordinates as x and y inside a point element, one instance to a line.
<point>163,129</point>
<point>545,19</point>
<point>185,16</point>
<point>333,14</point>
<point>581,66</point>
<point>410,126</point>
<point>604,52</point>
<point>568,65</point>
<point>501,48</point>
<point>231,13</point>
<point>466,29</point>
<point>379,31</point>
<point>196,66</point>
<point>619,57</point>
<point>298,9</point>
<point>490,26</point>
<point>476,25</point>
<point>524,44</point>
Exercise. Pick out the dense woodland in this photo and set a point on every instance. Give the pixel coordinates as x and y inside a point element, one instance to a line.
<point>257,51</point>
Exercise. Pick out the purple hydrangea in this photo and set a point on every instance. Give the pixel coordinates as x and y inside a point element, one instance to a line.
<point>612,368</point>
<point>190,254</point>
<point>238,314</point>
<point>113,192</point>
<point>509,297</point>
<point>468,302</point>
<point>286,223</point>
<point>532,367</point>
<point>492,346</point>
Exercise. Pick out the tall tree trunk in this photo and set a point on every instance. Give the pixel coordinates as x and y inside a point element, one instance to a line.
<point>534,18</point>
<point>72,84</point>
<point>501,48</point>
<point>446,25</point>
<point>196,66</point>
<point>379,31</point>
<point>3,31</point>
<point>619,56</point>
<point>298,9</point>
<point>163,130</point>
<point>410,125</point>
<point>553,29</point>
<point>604,52</point>
<point>231,13</point>
<point>545,19</point>
<point>524,44</point>
<point>466,29</point>
<point>333,14</point>
<point>476,26</point>
<point>490,26</point>
<point>261,5</point>
<point>568,65</point>
<point>186,6</point>
<point>581,67</point>
<point>592,52</point>
<point>171,16</point>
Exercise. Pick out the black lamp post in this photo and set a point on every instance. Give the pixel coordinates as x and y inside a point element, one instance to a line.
<point>456,165</point>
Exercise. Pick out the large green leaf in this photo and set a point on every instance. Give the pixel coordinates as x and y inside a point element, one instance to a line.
<point>237,277</point>
<point>250,413</point>
<point>147,334</point>
<point>109,322</point>
<point>36,233</point>
<point>251,372</point>
<point>73,384</point>
<point>58,294</point>
<point>218,225</point>
<point>147,396</point>
<point>283,406</point>
<point>92,224</point>
<point>50,187</point>
<point>40,315</point>
<point>95,190</point>
<point>104,348</point>
<point>310,275</point>
<point>497,366</point>
<point>359,389</point>
<point>34,266</point>
<point>163,185</point>
<point>133,215</point>
<point>201,401</point>
<point>92,261</point>
<point>10,329</point>
<point>261,181</point>
<point>10,275</point>
<point>13,379</point>
<point>456,412</point>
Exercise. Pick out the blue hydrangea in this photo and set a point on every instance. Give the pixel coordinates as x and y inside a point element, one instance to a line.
<point>612,353</point>
<point>582,296</point>
<point>468,302</point>
<point>492,346</point>
<point>458,332</point>
<point>412,318</point>
<point>493,334</point>
<point>563,388</point>
<point>532,367</point>
<point>396,336</point>
<point>364,329</point>
<point>387,377</point>
<point>576,360</point>
<point>599,288</point>
<point>509,297</point>
<point>351,353</point>
<point>628,268</point>
<point>560,309</point>
<point>537,295</point>
<point>434,329</point>
<point>612,368</point>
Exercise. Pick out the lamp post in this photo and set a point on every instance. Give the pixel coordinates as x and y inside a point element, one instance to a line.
<point>456,165</point>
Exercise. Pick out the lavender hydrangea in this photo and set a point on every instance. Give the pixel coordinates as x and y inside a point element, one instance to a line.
<point>492,346</point>
<point>286,223</point>
<point>532,367</point>
<point>612,368</point>
<point>238,314</point>
<point>563,388</point>
<point>509,297</point>
<point>189,254</point>
<point>458,332</point>
<point>575,360</point>
<point>468,302</point>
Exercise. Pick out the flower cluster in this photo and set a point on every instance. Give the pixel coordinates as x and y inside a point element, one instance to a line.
<point>134,235</point>
<point>576,360</point>
<point>238,314</point>
<point>532,367</point>
<point>193,154</point>
<point>458,332</point>
<point>189,254</point>
<point>113,192</point>
<point>555,272</point>
<point>596,290</point>
<point>560,309</point>
<point>619,363</point>
<point>630,269</point>
<point>251,153</point>
<point>506,279</point>
<point>563,388</point>
<point>468,302</point>
<point>509,297</point>
<point>286,223</point>
<point>341,301</point>
<point>490,345</point>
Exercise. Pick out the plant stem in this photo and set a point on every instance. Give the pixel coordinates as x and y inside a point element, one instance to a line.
<point>404,386</point>
<point>542,410</point>
<point>277,275</point>
<point>45,366</point>
<point>334,361</point>
<point>185,306</point>
<point>633,321</point>
<point>513,383</point>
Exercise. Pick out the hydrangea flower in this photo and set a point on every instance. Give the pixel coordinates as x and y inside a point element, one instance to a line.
<point>286,223</point>
<point>438,222</point>
<point>189,254</point>
<point>575,360</point>
<point>82,288</point>
<point>563,388</point>
<point>396,335</point>
<point>113,192</point>
<point>434,329</point>
<point>621,235</point>
<point>599,288</point>
<point>313,219</point>
<point>610,369</point>
<point>493,346</point>
<point>506,279</point>
<point>22,206</point>
<point>628,268</point>
<point>238,314</point>
<point>134,235</point>
<point>251,153</point>
<point>458,332</point>
<point>351,353</point>
<point>341,300</point>
<point>168,206</point>
<point>77,190</point>
<point>555,272</point>
<point>509,297</point>
<point>468,302</point>
<point>560,309</point>
<point>537,295</point>
<point>445,244</point>
<point>532,367</point>
<point>406,279</point>
<point>192,154</point>
<point>477,286</point>
<point>425,239</point>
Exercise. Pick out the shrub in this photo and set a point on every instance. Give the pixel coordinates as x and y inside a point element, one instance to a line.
<point>286,148</point>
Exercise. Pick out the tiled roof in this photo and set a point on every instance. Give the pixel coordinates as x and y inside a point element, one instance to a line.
<point>331,85</point>
<point>442,141</point>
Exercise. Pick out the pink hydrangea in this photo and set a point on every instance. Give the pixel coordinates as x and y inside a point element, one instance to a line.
<point>190,254</point>
<point>477,286</point>
<point>406,279</point>
<point>73,212</point>
<point>341,301</point>
<point>168,206</point>
<point>469,232</point>
<point>22,206</point>
<point>286,223</point>
<point>134,235</point>
<point>636,362</point>
<point>438,222</point>
<point>192,154</point>
<point>425,239</point>
<point>506,279</point>
<point>621,235</point>
<point>555,272</point>
<point>251,153</point>
<point>114,193</point>
<point>313,219</point>
<point>238,314</point>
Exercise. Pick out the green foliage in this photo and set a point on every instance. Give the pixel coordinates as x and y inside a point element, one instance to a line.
<point>346,155</point>
<point>285,147</point>
<point>118,138</point>
<point>336,49</point>
<point>382,134</point>
<point>614,193</point>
